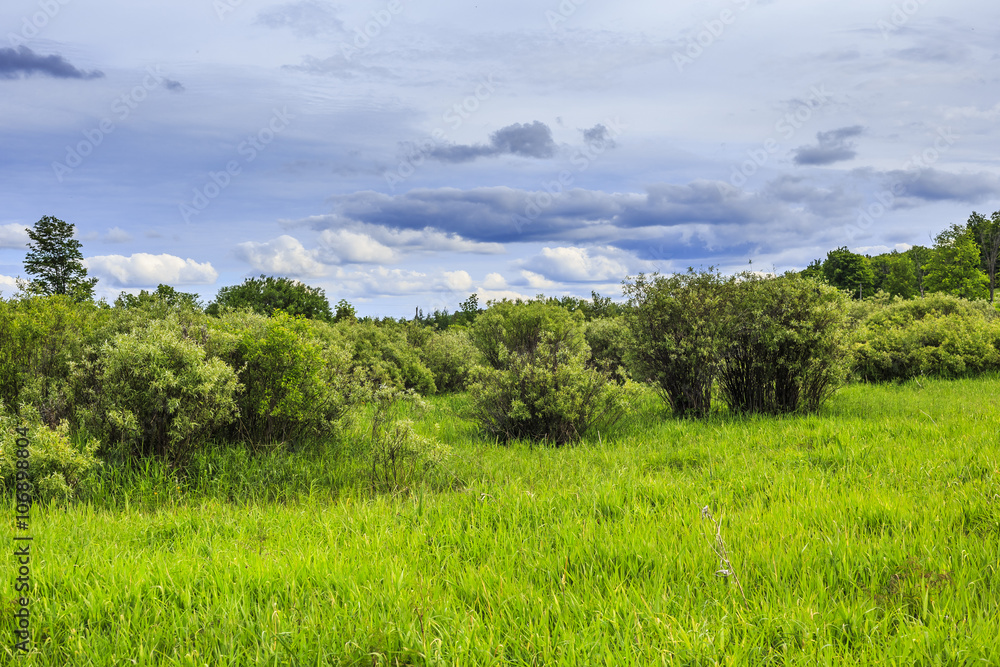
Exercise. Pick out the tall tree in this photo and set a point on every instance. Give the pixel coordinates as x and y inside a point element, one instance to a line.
<point>986,232</point>
<point>900,279</point>
<point>849,271</point>
<point>954,265</point>
<point>54,258</point>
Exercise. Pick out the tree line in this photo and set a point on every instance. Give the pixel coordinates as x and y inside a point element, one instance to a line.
<point>962,262</point>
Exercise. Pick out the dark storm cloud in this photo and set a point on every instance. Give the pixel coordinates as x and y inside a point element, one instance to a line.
<point>23,62</point>
<point>832,146</point>
<point>508,215</point>
<point>532,140</point>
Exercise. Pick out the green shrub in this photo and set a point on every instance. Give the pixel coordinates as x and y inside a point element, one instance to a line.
<point>153,391</point>
<point>40,337</point>
<point>58,468</point>
<point>384,355</point>
<point>678,329</point>
<point>536,383</point>
<point>450,356</point>
<point>937,335</point>
<point>610,340</point>
<point>295,380</point>
<point>786,347</point>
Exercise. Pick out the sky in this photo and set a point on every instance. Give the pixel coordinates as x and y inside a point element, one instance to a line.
<point>404,155</point>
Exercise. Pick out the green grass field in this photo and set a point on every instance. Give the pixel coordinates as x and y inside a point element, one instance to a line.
<point>867,534</point>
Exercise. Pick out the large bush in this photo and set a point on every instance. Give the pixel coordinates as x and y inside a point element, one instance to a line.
<point>678,328</point>
<point>785,346</point>
<point>154,391</point>
<point>937,335</point>
<point>536,383</point>
<point>295,379</point>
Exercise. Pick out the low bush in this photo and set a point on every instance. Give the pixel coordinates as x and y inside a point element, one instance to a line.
<point>937,335</point>
<point>535,383</point>
<point>295,376</point>
<point>154,391</point>
<point>397,457</point>
<point>58,468</point>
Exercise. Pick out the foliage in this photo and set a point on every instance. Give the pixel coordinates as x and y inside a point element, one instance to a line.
<point>535,383</point>
<point>154,392</point>
<point>849,271</point>
<point>58,468</point>
<point>785,344</point>
<point>164,295</point>
<point>295,380</point>
<point>679,332</point>
<point>937,335</point>
<point>986,232</point>
<point>384,354</point>
<point>609,339</point>
<point>266,294</point>
<point>900,278</point>
<point>954,266</point>
<point>40,338</point>
<point>450,356</point>
<point>345,311</point>
<point>54,258</point>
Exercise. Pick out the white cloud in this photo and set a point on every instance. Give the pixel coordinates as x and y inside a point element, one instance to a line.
<point>458,280</point>
<point>536,281</point>
<point>354,248</point>
<point>494,281</point>
<point>284,256</point>
<point>572,264</point>
<point>143,269</point>
<point>13,236</point>
<point>499,295</point>
<point>7,286</point>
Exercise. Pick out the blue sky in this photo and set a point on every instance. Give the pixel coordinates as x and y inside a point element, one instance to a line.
<point>402,154</point>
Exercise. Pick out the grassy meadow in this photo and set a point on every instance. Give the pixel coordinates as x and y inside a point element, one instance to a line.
<point>866,534</point>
